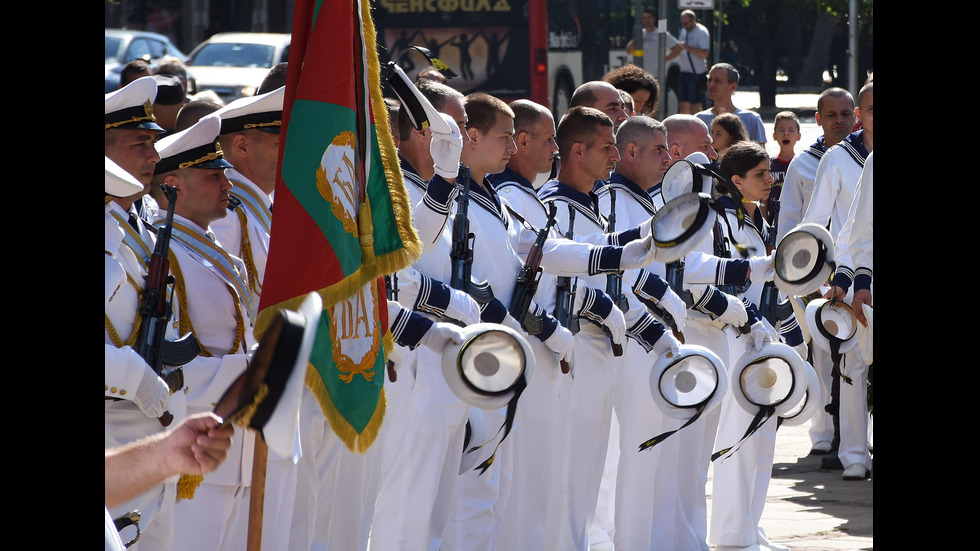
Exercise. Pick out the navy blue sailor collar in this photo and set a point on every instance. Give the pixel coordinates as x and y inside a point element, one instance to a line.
<point>619,181</point>
<point>756,220</point>
<point>817,148</point>
<point>409,172</point>
<point>586,203</point>
<point>510,176</point>
<point>854,145</point>
<point>485,196</point>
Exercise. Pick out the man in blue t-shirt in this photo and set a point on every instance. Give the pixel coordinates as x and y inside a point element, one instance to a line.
<point>722,83</point>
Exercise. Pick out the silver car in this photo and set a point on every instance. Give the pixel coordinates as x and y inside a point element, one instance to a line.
<point>123,46</point>
<point>232,65</point>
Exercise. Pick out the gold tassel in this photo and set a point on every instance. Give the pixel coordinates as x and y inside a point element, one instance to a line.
<point>187,485</point>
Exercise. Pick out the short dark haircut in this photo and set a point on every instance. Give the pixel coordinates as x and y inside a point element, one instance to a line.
<point>649,10</point>
<point>631,78</point>
<point>868,88</point>
<point>192,112</point>
<point>133,70</point>
<point>482,110</point>
<point>579,125</point>
<point>730,71</point>
<point>637,130</point>
<point>833,93</point>
<point>787,115</point>
<point>436,93</point>
<point>274,79</point>
<point>526,115</point>
<point>733,125</point>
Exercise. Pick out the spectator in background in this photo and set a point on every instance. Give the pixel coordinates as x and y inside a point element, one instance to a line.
<point>133,70</point>
<point>727,130</point>
<point>786,133</point>
<point>276,78</point>
<point>171,96</point>
<point>639,84</point>
<point>722,83</point>
<point>691,51</point>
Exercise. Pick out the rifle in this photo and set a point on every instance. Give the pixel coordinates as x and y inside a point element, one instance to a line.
<point>462,249</point>
<point>564,294</point>
<point>156,310</point>
<point>528,278</point>
<point>769,305</point>
<point>527,283</point>
<point>614,281</point>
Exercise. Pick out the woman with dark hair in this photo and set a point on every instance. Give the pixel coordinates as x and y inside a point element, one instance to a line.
<point>741,476</point>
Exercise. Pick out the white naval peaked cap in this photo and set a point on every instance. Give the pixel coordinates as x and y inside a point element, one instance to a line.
<point>195,147</point>
<point>262,112</point>
<point>118,182</point>
<point>131,107</point>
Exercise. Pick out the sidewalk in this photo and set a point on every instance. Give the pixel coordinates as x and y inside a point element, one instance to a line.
<point>810,509</point>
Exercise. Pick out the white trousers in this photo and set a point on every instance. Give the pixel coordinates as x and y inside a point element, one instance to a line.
<point>216,519</point>
<point>741,477</point>
<point>533,467</point>
<point>335,489</point>
<point>422,443</point>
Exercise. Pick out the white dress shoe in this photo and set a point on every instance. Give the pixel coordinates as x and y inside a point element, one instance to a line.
<point>856,471</point>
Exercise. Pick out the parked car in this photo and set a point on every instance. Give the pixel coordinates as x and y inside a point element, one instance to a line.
<point>233,64</point>
<point>123,46</point>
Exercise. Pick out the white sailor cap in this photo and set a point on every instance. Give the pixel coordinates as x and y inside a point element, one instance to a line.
<point>263,112</point>
<point>118,182</point>
<point>131,107</point>
<point>196,147</point>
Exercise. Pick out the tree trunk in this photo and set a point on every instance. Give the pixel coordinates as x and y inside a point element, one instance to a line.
<point>819,51</point>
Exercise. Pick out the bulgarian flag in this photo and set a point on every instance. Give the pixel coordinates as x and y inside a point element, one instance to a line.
<point>341,218</point>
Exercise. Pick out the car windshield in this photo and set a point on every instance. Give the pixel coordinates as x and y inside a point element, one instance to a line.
<point>112,49</point>
<point>234,55</point>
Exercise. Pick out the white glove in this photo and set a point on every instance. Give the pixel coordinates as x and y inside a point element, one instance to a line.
<point>441,334</point>
<point>446,149</point>
<point>802,350</point>
<point>646,228</point>
<point>511,321</point>
<point>759,335</point>
<point>594,304</point>
<point>761,269</point>
<point>560,342</point>
<point>638,253</point>
<point>674,306</point>
<point>152,394</point>
<point>462,307</point>
<point>735,313</point>
<point>667,344</point>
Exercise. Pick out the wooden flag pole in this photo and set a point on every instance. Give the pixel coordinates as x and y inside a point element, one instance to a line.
<point>257,496</point>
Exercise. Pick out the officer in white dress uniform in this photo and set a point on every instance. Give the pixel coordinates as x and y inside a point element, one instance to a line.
<point>135,397</point>
<point>217,307</point>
